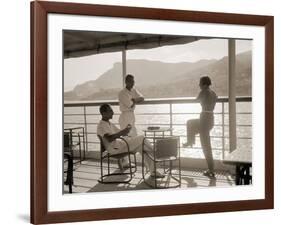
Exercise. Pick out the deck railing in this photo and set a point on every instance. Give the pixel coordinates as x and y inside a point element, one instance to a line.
<point>174,115</point>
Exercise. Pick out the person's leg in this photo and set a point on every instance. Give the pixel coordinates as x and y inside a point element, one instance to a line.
<point>123,163</point>
<point>137,144</point>
<point>206,124</point>
<point>133,131</point>
<point>148,148</point>
<point>207,149</point>
<point>192,128</point>
<point>124,119</point>
<point>131,120</point>
<point>128,118</point>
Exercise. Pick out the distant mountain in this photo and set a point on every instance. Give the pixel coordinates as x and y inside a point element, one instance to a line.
<point>187,83</point>
<point>146,73</point>
<point>159,79</point>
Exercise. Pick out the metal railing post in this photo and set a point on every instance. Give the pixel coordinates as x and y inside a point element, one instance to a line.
<point>223,141</point>
<point>171,118</point>
<point>170,124</point>
<point>85,124</point>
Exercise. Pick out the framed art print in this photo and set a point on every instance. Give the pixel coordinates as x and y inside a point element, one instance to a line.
<point>140,112</point>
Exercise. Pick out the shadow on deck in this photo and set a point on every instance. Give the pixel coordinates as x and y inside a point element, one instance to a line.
<point>87,173</point>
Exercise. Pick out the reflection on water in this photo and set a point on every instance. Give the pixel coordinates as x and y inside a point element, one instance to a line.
<point>158,114</point>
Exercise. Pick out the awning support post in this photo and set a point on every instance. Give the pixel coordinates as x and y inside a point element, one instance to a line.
<point>232,94</point>
<point>124,67</point>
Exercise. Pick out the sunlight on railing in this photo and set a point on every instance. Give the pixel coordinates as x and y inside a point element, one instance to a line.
<point>171,113</point>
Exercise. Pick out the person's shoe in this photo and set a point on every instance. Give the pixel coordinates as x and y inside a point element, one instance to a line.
<point>186,145</point>
<point>127,165</point>
<point>208,173</point>
<point>120,165</point>
<point>157,175</point>
<point>124,164</point>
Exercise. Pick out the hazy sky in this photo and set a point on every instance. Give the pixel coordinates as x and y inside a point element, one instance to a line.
<point>80,70</point>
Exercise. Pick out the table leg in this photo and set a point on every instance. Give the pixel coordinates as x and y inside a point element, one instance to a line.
<point>238,175</point>
<point>84,150</point>
<point>69,176</point>
<point>247,174</point>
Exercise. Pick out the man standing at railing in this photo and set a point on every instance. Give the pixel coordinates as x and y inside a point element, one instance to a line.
<point>128,98</point>
<point>204,124</point>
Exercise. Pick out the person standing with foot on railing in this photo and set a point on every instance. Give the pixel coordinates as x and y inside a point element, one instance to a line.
<point>204,124</point>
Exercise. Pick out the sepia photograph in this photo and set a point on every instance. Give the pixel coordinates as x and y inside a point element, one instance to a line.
<point>146,111</point>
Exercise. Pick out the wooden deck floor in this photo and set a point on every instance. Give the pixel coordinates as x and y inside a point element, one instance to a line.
<point>87,173</point>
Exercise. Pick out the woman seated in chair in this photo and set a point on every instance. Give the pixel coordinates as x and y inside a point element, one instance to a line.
<point>109,133</point>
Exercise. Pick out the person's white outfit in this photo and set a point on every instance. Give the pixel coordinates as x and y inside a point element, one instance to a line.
<point>127,116</point>
<point>118,146</point>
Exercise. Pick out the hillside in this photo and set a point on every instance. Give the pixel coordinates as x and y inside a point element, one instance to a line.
<point>159,79</point>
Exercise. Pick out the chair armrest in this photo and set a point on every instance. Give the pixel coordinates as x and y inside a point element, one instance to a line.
<point>127,145</point>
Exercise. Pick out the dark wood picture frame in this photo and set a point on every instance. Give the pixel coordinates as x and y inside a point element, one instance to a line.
<point>39,122</point>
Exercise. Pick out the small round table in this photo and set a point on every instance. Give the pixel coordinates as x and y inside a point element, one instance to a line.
<point>160,132</point>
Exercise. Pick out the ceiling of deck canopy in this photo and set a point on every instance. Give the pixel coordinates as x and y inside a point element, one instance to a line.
<point>85,43</point>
